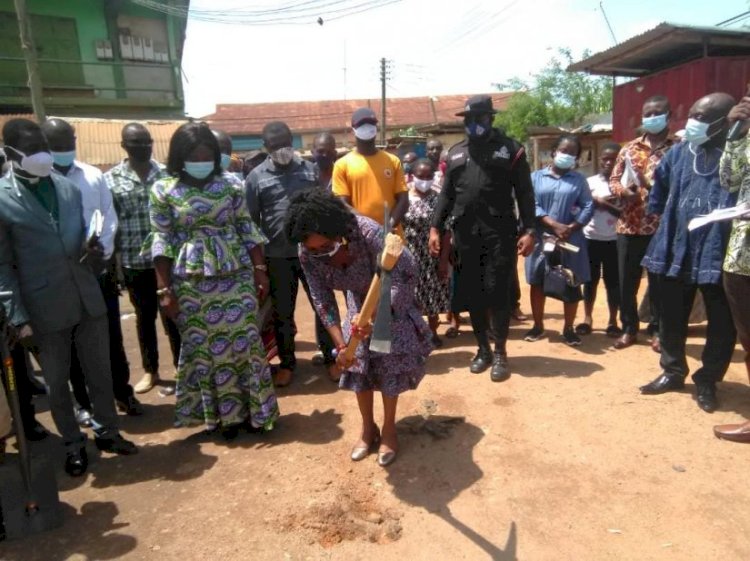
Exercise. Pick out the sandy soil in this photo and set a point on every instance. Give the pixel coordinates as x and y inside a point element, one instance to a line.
<point>565,461</point>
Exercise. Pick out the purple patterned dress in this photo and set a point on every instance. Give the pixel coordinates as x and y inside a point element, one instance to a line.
<point>404,367</point>
<point>223,377</point>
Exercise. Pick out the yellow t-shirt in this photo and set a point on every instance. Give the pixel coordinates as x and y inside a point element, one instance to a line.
<point>369,181</point>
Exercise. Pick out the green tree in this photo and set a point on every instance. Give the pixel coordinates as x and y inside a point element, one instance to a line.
<point>554,97</point>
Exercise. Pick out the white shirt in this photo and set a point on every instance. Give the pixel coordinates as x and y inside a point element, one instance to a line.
<point>601,227</point>
<point>95,195</point>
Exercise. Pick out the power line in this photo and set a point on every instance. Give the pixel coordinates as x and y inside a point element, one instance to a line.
<point>736,19</point>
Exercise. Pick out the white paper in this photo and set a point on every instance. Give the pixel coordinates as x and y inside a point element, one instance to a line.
<point>96,225</point>
<point>629,176</point>
<point>720,215</point>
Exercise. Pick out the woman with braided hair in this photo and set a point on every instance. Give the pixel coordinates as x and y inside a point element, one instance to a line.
<point>339,251</point>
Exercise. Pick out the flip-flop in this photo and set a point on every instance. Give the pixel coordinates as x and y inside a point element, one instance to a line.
<point>583,329</point>
<point>452,332</point>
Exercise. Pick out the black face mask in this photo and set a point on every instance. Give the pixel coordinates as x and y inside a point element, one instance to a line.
<point>139,153</point>
<point>324,162</point>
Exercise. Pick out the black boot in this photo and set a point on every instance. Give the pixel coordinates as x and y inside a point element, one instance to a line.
<point>481,361</point>
<point>500,369</point>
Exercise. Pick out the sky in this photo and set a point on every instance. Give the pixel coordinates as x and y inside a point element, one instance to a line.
<point>434,47</point>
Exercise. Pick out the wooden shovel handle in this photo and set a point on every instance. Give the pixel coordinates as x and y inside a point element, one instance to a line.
<point>365,315</point>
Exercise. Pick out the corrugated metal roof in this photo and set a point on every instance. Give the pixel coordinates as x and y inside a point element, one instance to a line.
<point>665,46</point>
<point>333,115</point>
<point>98,140</point>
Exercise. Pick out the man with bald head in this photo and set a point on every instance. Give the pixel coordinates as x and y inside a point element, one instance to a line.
<point>324,156</point>
<point>434,151</point>
<point>686,185</point>
<point>95,195</point>
<point>130,183</point>
<point>225,147</point>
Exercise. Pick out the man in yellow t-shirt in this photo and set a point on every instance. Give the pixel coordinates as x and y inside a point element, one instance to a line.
<point>367,177</point>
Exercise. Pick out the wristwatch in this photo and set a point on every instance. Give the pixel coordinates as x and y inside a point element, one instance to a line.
<point>263,268</point>
<point>162,291</point>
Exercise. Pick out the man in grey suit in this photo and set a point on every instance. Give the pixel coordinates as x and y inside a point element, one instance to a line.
<point>46,261</point>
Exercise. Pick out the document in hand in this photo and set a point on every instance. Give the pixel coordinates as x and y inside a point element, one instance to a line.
<point>96,225</point>
<point>629,177</point>
<point>742,210</point>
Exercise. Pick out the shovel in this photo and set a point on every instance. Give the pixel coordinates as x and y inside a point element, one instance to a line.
<point>29,501</point>
<point>380,342</point>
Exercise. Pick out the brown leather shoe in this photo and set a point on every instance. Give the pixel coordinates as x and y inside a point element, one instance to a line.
<point>282,377</point>
<point>736,433</point>
<point>625,341</point>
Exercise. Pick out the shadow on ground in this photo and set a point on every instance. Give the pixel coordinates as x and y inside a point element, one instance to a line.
<point>435,466</point>
<point>548,366</point>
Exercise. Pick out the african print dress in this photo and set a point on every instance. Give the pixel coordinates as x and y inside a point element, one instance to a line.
<point>411,340</point>
<point>433,294</point>
<point>223,378</point>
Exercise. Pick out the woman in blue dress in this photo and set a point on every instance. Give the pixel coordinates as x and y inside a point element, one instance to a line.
<point>563,207</point>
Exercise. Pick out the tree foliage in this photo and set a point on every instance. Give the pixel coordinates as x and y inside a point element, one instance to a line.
<point>554,97</point>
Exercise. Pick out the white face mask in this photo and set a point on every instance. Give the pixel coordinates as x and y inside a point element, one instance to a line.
<point>283,156</point>
<point>423,185</point>
<point>39,164</point>
<point>368,131</point>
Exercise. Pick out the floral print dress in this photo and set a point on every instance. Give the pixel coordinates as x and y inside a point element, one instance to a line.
<point>223,378</point>
<point>404,367</point>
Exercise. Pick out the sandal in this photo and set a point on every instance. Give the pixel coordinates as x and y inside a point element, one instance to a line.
<point>613,330</point>
<point>452,332</point>
<point>583,329</point>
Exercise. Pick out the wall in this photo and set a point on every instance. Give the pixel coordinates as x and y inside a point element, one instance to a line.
<point>683,85</point>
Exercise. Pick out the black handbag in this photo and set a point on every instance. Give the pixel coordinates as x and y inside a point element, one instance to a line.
<point>560,283</point>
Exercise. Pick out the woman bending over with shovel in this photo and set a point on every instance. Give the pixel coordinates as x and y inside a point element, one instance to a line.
<point>341,251</point>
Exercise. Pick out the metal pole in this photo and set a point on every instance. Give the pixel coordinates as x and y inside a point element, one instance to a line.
<point>382,101</point>
<point>29,53</point>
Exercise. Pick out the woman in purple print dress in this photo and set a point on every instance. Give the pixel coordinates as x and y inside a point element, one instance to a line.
<point>339,251</point>
<point>210,272</point>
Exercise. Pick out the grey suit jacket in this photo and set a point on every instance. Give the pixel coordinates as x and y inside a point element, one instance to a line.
<point>40,260</point>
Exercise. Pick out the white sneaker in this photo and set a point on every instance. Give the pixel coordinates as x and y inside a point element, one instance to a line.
<point>146,383</point>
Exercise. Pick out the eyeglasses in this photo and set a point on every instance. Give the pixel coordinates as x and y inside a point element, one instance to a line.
<point>327,252</point>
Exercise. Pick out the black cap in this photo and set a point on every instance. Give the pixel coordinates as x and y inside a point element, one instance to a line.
<point>477,105</point>
<point>364,115</point>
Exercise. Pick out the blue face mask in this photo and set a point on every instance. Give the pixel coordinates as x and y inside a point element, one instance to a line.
<point>696,132</point>
<point>226,159</point>
<point>475,130</point>
<point>199,170</point>
<point>655,124</point>
<point>64,159</point>
<point>564,161</point>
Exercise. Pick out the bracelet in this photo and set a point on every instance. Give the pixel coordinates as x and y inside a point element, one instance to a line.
<point>163,291</point>
<point>261,267</point>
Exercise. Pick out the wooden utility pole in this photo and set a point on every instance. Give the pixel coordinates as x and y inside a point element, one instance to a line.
<point>383,78</point>
<point>29,54</point>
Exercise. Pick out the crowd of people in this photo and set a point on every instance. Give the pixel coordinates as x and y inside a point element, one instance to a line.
<point>202,241</point>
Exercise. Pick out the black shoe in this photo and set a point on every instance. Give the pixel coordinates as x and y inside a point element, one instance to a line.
<point>664,383</point>
<point>131,407</point>
<point>481,361</point>
<point>705,395</point>
<point>571,338</point>
<point>36,433</point>
<point>534,334</point>
<point>76,463</point>
<point>83,418</point>
<point>116,445</point>
<point>230,433</point>
<point>500,370</point>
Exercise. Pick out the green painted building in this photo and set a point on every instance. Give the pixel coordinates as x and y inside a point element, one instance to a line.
<point>97,58</point>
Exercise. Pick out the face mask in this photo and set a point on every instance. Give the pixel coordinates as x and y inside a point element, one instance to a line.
<point>407,168</point>
<point>696,132</point>
<point>226,159</point>
<point>655,124</point>
<point>39,164</point>
<point>367,131</point>
<point>64,159</point>
<point>199,170</point>
<point>423,185</point>
<point>564,161</point>
<point>324,162</point>
<point>475,130</point>
<point>139,153</point>
<point>282,156</point>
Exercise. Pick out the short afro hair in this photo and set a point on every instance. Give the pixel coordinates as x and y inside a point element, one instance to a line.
<point>317,211</point>
<point>14,129</point>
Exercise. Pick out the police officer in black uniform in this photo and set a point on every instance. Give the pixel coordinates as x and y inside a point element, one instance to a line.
<point>484,173</point>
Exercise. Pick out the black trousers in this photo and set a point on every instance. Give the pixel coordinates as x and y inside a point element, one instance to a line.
<point>677,302</point>
<point>23,386</point>
<point>118,359</point>
<point>285,275</point>
<point>630,253</point>
<point>141,285</point>
<point>737,289</point>
<point>603,260</point>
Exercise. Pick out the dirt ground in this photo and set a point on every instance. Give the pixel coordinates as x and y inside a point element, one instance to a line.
<point>565,461</point>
